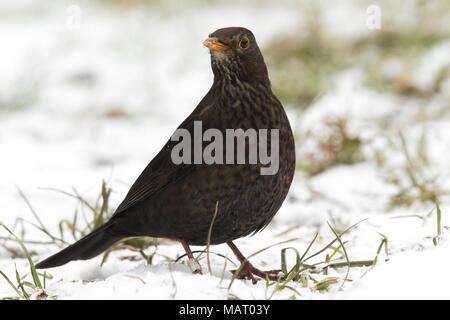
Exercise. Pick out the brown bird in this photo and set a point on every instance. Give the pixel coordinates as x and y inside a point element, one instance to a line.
<point>178,200</point>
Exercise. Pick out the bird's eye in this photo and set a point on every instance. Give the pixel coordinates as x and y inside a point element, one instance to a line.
<point>243,44</point>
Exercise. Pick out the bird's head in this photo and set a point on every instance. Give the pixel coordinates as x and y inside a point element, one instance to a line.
<point>236,55</point>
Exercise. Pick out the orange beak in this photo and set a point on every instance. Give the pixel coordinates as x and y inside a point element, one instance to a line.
<point>214,45</point>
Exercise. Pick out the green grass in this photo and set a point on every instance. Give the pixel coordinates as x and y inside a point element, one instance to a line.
<point>302,62</point>
<point>414,182</point>
<point>37,285</point>
<point>208,240</point>
<point>19,98</point>
<point>335,146</point>
<point>438,225</point>
<point>305,275</point>
<point>302,274</point>
<point>88,215</point>
<point>95,213</point>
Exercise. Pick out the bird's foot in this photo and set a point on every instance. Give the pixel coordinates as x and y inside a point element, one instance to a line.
<point>194,266</point>
<point>249,272</point>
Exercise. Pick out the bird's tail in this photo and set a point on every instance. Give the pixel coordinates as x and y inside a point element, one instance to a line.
<point>88,247</point>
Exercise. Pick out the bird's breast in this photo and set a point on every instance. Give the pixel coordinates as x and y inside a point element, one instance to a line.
<point>243,105</point>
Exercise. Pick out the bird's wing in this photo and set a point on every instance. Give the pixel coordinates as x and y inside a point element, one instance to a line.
<point>161,171</point>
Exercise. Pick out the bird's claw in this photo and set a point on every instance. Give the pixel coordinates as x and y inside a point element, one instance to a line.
<point>194,266</point>
<point>248,272</point>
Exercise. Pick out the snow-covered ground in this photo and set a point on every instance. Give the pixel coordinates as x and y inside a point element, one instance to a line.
<point>95,99</point>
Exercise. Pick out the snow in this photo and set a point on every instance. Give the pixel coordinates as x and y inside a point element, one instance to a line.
<point>102,104</point>
<point>405,276</point>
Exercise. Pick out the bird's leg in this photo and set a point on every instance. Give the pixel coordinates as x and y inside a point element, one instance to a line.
<point>248,270</point>
<point>192,263</point>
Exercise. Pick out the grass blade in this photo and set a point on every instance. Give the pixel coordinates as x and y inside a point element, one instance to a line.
<point>345,253</point>
<point>34,274</point>
<point>208,240</point>
<point>331,243</point>
<point>12,285</point>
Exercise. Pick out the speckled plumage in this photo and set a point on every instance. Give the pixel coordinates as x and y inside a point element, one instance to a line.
<point>179,201</point>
